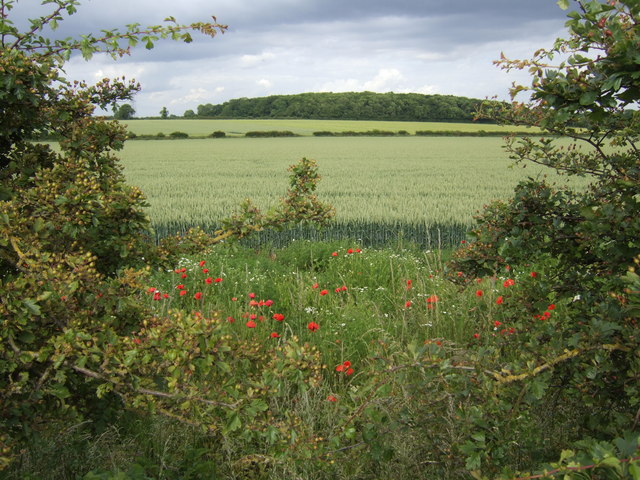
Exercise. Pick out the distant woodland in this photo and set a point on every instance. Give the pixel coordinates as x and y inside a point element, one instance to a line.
<point>345,106</point>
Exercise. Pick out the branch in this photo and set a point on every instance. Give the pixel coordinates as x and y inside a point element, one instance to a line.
<point>153,393</point>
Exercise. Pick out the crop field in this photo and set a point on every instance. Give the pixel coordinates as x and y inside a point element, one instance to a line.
<point>203,128</point>
<point>427,187</point>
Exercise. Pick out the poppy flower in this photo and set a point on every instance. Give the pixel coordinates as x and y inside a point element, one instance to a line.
<point>478,293</point>
<point>334,254</point>
<point>218,280</point>
<point>183,269</point>
<point>165,295</point>
<point>409,284</point>
<point>268,303</point>
<point>251,324</point>
<point>184,275</point>
<point>180,287</point>
<point>533,274</point>
<point>315,285</point>
<point>278,317</point>
<point>476,335</point>
<point>254,303</point>
<point>551,307</point>
<point>183,293</point>
<point>349,371</point>
<point>274,335</point>
<point>350,251</point>
<point>205,270</point>
<point>497,323</point>
<point>137,341</point>
<point>347,364</point>
<point>231,319</point>
<point>343,288</point>
<point>234,299</point>
<point>157,296</point>
<point>202,262</point>
<point>508,282</point>
<point>313,326</point>
<point>151,289</point>
<point>338,289</point>
<point>323,292</point>
<point>432,299</point>
<point>331,398</point>
<point>208,280</point>
<point>407,304</point>
<point>340,368</point>
<point>253,316</point>
<point>499,300</point>
<point>252,295</point>
<point>198,295</point>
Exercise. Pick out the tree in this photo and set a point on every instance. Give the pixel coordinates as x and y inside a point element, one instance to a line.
<point>70,228</point>
<point>584,243</point>
<point>124,112</point>
<point>164,113</point>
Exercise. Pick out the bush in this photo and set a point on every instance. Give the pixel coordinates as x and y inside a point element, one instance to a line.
<point>179,135</point>
<point>218,134</point>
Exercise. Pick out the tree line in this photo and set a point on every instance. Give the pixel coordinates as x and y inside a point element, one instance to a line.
<point>346,106</point>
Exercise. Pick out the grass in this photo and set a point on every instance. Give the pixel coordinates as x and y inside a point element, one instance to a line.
<point>377,183</point>
<point>382,306</point>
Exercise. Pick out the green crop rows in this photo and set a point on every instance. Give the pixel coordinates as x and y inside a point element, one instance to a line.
<point>425,189</point>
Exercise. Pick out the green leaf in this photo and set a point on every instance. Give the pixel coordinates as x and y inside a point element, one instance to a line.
<point>563,4</point>
<point>234,422</point>
<point>32,306</point>
<point>588,98</point>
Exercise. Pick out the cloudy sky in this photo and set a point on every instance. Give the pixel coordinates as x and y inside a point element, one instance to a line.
<point>293,46</point>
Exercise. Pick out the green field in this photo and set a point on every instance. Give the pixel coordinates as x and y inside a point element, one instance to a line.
<point>374,183</point>
<point>197,127</point>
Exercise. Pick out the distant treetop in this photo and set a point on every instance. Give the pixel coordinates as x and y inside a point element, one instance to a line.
<point>348,106</point>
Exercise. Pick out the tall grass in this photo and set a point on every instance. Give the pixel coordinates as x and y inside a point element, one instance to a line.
<point>417,183</point>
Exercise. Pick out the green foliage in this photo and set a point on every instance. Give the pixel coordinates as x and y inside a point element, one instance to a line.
<point>124,112</point>
<point>178,135</point>
<point>350,105</point>
<point>270,133</point>
<point>583,243</point>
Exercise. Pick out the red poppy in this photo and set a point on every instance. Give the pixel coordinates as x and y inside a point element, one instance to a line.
<point>183,293</point>
<point>476,335</point>
<point>208,280</point>
<point>254,303</point>
<point>499,300</point>
<point>313,326</point>
<point>165,295</point>
<point>151,289</point>
<point>323,292</point>
<point>497,323</point>
<point>508,282</point>
<point>407,304</point>
<point>460,274</point>
<point>137,341</point>
<point>408,284</point>
<point>251,324</point>
<point>551,307</point>
<point>184,275</point>
<point>183,269</point>
<point>180,287</point>
<point>234,299</point>
<point>268,303</point>
<point>350,251</point>
<point>478,293</point>
<point>252,295</point>
<point>338,290</point>
<point>358,250</point>
<point>274,335</point>
<point>205,270</point>
<point>343,288</point>
<point>334,254</point>
<point>533,274</point>
<point>253,316</point>
<point>202,262</point>
<point>349,371</point>
<point>315,285</point>
<point>346,363</point>
<point>331,398</point>
<point>278,317</point>
<point>432,299</point>
<point>218,280</point>
<point>231,319</point>
<point>340,368</point>
<point>157,296</point>
<point>198,295</point>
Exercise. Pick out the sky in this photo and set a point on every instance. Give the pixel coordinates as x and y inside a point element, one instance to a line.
<point>293,46</point>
